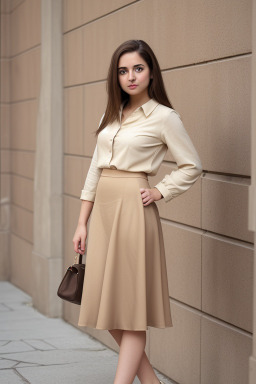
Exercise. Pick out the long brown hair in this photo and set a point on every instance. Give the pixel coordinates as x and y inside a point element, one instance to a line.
<point>116,96</point>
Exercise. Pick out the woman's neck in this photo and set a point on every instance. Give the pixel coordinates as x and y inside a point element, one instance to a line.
<point>135,102</point>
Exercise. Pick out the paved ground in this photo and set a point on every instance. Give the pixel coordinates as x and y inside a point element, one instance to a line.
<point>38,350</point>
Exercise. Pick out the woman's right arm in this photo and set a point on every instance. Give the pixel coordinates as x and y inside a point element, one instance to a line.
<point>87,196</point>
<point>81,230</point>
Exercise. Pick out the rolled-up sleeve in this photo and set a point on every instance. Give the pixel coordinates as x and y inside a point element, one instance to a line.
<point>89,190</point>
<point>176,138</point>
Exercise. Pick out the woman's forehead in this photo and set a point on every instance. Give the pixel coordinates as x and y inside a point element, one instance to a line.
<point>131,59</point>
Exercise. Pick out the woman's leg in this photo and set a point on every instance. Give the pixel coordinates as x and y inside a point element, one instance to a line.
<point>131,350</point>
<point>145,371</point>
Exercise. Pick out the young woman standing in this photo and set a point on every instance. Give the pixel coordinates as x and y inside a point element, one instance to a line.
<point>126,286</point>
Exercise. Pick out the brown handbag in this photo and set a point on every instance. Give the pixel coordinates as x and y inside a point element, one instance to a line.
<point>71,286</point>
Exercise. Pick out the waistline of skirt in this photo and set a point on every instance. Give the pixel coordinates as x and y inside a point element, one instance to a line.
<point>110,172</point>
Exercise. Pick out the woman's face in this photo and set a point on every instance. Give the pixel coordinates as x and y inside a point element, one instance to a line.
<point>133,74</point>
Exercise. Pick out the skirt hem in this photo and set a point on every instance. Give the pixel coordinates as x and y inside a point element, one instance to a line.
<point>126,328</point>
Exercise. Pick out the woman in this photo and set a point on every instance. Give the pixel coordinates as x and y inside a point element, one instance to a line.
<point>126,286</point>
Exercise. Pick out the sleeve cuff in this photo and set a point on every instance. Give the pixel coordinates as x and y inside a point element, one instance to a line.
<point>85,195</point>
<point>164,191</point>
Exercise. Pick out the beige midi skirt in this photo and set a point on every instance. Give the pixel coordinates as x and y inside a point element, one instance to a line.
<point>125,282</point>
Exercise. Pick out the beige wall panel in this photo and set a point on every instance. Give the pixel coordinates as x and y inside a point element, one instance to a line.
<point>84,106</point>
<point>5,35</point>
<point>158,21</point>
<point>95,101</point>
<point>73,121</point>
<point>23,125</point>
<point>225,353</point>
<point>73,57</point>
<point>5,163</point>
<point>25,26</point>
<point>225,206</point>
<point>5,187</point>
<point>183,259</point>
<point>8,6</point>
<point>5,126</point>
<point>22,223</point>
<point>23,163</point>
<point>25,72</point>
<point>21,265</point>
<point>185,208</point>
<point>175,351</point>
<point>227,280</point>
<point>75,171</point>
<point>22,192</point>
<point>5,80</point>
<point>15,3</point>
<point>218,118</point>
<point>205,22</point>
<point>72,14</point>
<point>78,12</point>
<point>4,256</point>
<point>5,6</point>
<point>5,215</point>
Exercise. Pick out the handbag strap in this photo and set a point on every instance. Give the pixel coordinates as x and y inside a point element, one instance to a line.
<point>79,259</point>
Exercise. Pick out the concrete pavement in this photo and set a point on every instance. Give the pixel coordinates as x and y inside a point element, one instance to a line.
<point>36,349</point>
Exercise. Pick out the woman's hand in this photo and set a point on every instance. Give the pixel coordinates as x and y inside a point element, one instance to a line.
<point>80,238</point>
<point>150,195</point>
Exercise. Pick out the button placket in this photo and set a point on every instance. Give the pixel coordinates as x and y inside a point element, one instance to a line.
<point>112,142</point>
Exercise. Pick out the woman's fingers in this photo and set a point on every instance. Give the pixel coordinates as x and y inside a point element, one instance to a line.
<point>149,195</point>
<point>82,245</point>
<point>79,239</point>
<point>76,245</point>
<point>79,245</point>
<point>146,196</point>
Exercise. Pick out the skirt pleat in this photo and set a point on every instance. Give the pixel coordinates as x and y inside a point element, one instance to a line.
<point>125,283</point>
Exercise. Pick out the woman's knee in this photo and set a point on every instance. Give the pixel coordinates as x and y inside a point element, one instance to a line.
<point>117,335</point>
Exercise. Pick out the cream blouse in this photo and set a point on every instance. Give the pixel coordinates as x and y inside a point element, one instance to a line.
<point>139,144</point>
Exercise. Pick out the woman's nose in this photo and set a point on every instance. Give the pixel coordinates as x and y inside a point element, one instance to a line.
<point>131,75</point>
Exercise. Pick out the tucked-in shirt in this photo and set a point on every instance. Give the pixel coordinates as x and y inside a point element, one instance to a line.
<point>139,144</point>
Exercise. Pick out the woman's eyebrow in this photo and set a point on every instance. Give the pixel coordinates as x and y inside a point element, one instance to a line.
<point>137,65</point>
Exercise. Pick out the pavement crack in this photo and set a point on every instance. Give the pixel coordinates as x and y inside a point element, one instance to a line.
<point>7,342</point>
<point>20,375</point>
<point>89,349</point>
<point>29,345</point>
<point>47,342</point>
<point>6,306</point>
<point>19,361</point>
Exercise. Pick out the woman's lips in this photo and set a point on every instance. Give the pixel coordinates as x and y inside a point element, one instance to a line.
<point>132,86</point>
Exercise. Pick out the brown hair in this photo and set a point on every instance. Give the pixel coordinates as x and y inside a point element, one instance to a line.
<point>116,96</point>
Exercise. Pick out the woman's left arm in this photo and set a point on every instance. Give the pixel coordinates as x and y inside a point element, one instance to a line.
<point>175,136</point>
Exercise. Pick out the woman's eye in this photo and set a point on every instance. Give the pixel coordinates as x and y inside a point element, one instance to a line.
<point>139,69</point>
<point>122,72</point>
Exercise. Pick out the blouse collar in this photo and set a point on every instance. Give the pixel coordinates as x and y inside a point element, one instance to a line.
<point>147,107</point>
